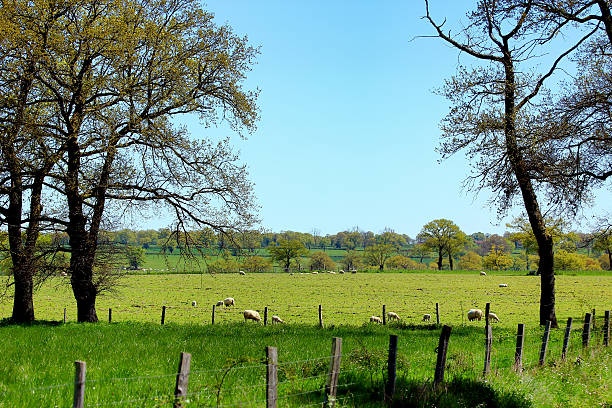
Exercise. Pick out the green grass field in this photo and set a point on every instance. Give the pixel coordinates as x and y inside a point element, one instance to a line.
<point>131,361</point>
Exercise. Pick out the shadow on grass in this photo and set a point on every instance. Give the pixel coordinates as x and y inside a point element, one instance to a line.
<point>9,322</point>
<point>458,393</point>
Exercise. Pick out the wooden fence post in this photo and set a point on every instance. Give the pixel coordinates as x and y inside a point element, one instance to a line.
<point>79,384</point>
<point>266,316</point>
<point>64,315</point>
<point>320,317</point>
<point>441,361</point>
<point>437,314</point>
<point>606,329</point>
<point>520,341</point>
<point>593,319</point>
<point>488,344</point>
<point>334,371</point>
<point>213,315</point>
<point>110,315</point>
<point>391,367</point>
<point>384,316</point>
<point>182,379</point>
<point>487,310</point>
<point>586,331</point>
<point>271,377</point>
<point>163,319</point>
<point>545,338</point>
<point>566,338</point>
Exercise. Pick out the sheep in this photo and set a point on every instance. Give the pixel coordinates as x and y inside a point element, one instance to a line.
<point>228,301</point>
<point>194,303</point>
<point>393,316</point>
<point>503,285</point>
<point>341,271</point>
<point>252,315</point>
<point>474,314</point>
<point>220,303</point>
<point>332,272</point>
<point>426,317</point>
<point>315,273</point>
<point>493,317</point>
<point>483,273</point>
<point>242,272</point>
<point>276,319</point>
<point>375,319</point>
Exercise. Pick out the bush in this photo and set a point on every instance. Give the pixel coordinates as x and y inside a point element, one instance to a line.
<point>256,264</point>
<point>320,261</point>
<point>470,262</point>
<point>223,266</point>
<point>401,262</point>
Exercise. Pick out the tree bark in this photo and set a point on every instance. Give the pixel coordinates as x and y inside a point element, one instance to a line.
<point>23,303</point>
<point>450,261</point>
<point>440,260</point>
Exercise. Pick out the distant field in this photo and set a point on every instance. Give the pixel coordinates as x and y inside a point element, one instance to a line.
<point>346,299</point>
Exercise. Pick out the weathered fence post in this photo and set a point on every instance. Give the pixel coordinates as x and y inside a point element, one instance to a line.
<point>520,341</point>
<point>593,320</point>
<point>79,384</point>
<point>391,366</point>
<point>441,361</point>
<point>320,317</point>
<point>64,315</point>
<point>271,377</point>
<point>606,329</point>
<point>488,344</point>
<point>566,337</point>
<point>545,338</point>
<point>163,319</point>
<point>266,316</point>
<point>334,371</point>
<point>182,379</point>
<point>586,331</point>
<point>384,316</point>
<point>213,314</point>
<point>110,315</point>
<point>437,314</point>
<point>487,310</point>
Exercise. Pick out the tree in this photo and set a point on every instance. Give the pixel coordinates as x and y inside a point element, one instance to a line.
<point>439,235</point>
<point>603,243</point>
<point>285,251</point>
<point>352,261</point>
<point>490,118</point>
<point>402,262</point>
<point>135,256</point>
<point>256,264</point>
<point>378,254</point>
<point>471,261</point>
<point>493,240</point>
<point>497,260</point>
<point>456,245</point>
<point>320,261</point>
<point>421,251</point>
<point>115,101</point>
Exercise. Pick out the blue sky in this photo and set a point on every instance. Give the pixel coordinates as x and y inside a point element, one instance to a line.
<point>349,122</point>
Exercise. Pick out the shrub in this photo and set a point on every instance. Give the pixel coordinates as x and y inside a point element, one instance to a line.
<point>223,266</point>
<point>470,262</point>
<point>320,261</point>
<point>256,264</point>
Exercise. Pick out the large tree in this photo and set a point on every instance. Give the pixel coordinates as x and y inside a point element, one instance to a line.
<point>443,237</point>
<point>491,114</point>
<point>121,76</point>
<point>378,254</point>
<point>285,251</point>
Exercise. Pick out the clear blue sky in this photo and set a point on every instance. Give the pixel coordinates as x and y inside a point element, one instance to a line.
<point>349,122</point>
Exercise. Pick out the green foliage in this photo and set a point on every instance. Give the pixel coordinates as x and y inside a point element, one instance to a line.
<point>287,251</point>
<point>443,237</point>
<point>403,262</point>
<point>256,264</point>
<point>378,254</point>
<point>497,260</point>
<point>135,256</point>
<point>352,261</point>
<point>320,261</point>
<point>221,265</point>
<point>471,261</point>
<point>573,261</point>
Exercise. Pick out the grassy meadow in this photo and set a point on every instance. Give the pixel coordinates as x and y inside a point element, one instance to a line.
<point>132,361</point>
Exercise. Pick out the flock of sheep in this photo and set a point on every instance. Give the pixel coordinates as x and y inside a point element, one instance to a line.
<point>472,314</point>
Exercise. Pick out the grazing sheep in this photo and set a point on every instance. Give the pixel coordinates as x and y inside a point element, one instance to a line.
<point>315,273</point>
<point>252,315</point>
<point>393,316</point>
<point>474,314</point>
<point>426,317</point>
<point>483,273</point>
<point>332,272</point>
<point>220,303</point>
<point>193,303</point>
<point>375,319</point>
<point>503,285</point>
<point>276,319</point>
<point>493,317</point>
<point>229,301</point>
<point>341,271</point>
<point>242,272</point>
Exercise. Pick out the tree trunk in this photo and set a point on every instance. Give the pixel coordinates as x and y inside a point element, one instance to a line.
<point>85,295</point>
<point>23,304</point>
<point>381,266</point>
<point>440,260</point>
<point>450,261</point>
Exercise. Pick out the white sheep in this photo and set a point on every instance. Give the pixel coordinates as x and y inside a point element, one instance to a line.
<point>194,303</point>
<point>276,319</point>
<point>315,273</point>
<point>229,301</point>
<point>341,271</point>
<point>252,315</point>
<point>483,273</point>
<point>503,285</point>
<point>393,316</point>
<point>220,303</point>
<point>375,319</point>
<point>332,272</point>
<point>242,272</point>
<point>426,317</point>
<point>474,314</point>
<point>493,317</point>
